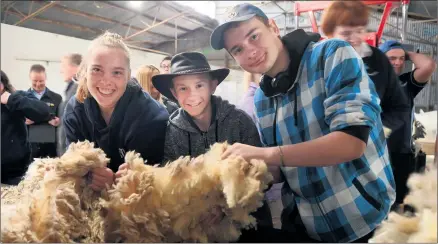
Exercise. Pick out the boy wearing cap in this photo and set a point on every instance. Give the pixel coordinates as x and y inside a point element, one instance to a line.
<point>203,119</point>
<point>400,143</point>
<point>319,117</point>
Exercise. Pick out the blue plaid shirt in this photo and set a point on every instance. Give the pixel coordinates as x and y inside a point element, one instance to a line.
<point>332,91</point>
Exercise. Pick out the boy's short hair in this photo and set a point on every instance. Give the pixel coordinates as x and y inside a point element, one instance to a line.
<point>346,13</point>
<point>38,68</point>
<point>166,58</point>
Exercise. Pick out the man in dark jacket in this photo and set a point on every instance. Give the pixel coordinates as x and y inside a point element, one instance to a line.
<point>203,119</point>
<point>42,135</point>
<point>15,146</point>
<point>69,68</point>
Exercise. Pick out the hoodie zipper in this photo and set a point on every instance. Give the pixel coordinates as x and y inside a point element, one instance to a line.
<point>204,135</point>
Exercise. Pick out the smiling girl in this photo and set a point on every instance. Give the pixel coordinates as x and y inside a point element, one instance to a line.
<point>117,115</point>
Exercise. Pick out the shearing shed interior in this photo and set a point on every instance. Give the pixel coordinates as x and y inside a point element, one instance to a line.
<point>219,121</point>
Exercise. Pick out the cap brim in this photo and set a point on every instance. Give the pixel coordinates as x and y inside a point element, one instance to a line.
<point>217,39</point>
<point>163,82</point>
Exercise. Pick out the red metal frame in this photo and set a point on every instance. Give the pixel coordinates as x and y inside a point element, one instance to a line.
<point>311,6</point>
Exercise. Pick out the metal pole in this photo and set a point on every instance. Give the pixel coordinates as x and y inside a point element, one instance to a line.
<point>285,23</point>
<point>296,21</point>
<point>404,21</point>
<point>176,37</point>
<point>396,24</point>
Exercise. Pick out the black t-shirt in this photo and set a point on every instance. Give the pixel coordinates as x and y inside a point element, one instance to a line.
<point>400,140</point>
<point>393,100</point>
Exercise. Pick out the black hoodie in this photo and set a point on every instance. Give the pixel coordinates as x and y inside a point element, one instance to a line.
<point>137,123</point>
<point>184,138</point>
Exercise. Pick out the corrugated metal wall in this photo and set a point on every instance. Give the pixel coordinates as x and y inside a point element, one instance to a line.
<point>423,37</point>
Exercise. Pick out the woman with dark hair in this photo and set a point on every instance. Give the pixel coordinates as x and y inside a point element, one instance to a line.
<point>16,106</point>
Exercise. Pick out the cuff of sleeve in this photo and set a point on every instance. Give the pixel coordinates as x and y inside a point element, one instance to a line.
<point>361,132</point>
<point>415,82</point>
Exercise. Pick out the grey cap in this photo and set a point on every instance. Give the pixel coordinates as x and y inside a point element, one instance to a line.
<point>239,13</point>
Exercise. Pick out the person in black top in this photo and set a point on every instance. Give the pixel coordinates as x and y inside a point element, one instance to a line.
<point>165,69</point>
<point>43,135</point>
<point>347,20</point>
<point>16,106</point>
<point>69,69</point>
<point>115,114</point>
<point>400,143</point>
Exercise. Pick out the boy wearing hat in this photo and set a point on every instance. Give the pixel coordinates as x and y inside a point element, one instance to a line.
<point>400,143</point>
<point>203,119</point>
<point>319,117</point>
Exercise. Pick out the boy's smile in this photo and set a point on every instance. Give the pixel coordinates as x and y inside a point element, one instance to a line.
<point>193,93</point>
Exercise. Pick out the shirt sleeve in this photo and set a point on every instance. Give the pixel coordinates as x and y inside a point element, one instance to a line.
<point>351,97</point>
<point>414,87</point>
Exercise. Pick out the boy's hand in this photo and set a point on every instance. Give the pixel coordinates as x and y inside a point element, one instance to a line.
<point>100,177</point>
<point>246,151</point>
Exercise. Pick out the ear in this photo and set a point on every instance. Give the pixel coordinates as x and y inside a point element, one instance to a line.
<point>273,26</point>
<point>213,86</point>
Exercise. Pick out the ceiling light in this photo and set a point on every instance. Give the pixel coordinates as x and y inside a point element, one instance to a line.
<point>135,4</point>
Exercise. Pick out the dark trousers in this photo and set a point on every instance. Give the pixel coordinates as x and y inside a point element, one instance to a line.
<point>43,150</point>
<point>297,233</point>
<point>271,235</point>
<point>403,165</point>
<point>13,172</point>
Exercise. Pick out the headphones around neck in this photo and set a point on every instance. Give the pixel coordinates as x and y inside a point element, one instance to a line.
<point>280,84</point>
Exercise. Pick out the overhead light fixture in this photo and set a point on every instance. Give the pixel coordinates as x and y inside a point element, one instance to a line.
<point>135,4</point>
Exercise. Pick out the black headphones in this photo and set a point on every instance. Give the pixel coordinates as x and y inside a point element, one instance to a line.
<point>280,84</point>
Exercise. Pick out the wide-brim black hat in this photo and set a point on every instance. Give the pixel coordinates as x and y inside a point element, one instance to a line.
<point>187,63</point>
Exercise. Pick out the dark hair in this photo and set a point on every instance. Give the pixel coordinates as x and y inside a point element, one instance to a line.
<point>74,58</point>
<point>166,58</point>
<point>5,81</point>
<point>37,68</point>
<point>347,13</point>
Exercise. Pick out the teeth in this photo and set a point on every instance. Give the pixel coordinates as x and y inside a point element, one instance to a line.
<point>106,91</point>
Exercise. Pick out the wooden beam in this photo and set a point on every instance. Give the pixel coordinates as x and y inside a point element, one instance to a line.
<point>148,50</point>
<point>40,10</point>
<point>139,13</point>
<point>105,20</point>
<point>70,26</point>
<point>153,26</point>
